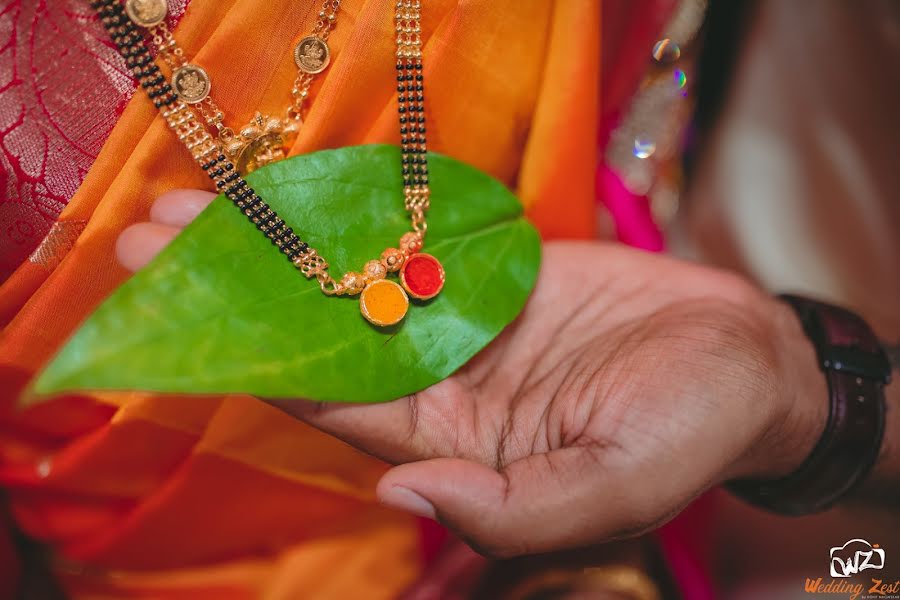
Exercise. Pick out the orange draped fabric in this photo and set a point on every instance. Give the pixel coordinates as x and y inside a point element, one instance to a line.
<point>145,496</point>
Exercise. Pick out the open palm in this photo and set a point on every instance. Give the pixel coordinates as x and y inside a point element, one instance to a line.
<point>630,384</point>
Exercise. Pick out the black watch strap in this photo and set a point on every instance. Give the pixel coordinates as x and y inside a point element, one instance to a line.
<point>857,370</point>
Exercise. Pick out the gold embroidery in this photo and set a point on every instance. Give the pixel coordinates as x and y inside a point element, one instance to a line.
<point>57,243</point>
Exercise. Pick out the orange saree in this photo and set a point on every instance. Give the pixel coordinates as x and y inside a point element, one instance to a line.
<point>180,497</point>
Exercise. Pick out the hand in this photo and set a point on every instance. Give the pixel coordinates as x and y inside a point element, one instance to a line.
<point>630,384</point>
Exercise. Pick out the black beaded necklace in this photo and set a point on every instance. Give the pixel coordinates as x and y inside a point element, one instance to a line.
<point>382,301</point>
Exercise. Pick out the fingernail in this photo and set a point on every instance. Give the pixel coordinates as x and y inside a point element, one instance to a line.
<point>405,499</point>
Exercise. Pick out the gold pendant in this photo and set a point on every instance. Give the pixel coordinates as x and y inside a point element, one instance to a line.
<point>191,83</point>
<point>262,141</point>
<point>312,55</point>
<point>146,13</point>
<point>382,302</point>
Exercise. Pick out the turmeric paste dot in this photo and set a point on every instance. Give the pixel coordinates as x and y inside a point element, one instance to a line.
<point>383,303</point>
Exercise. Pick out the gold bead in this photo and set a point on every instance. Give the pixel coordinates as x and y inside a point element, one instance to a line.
<point>410,242</point>
<point>353,283</point>
<point>274,124</point>
<point>392,259</point>
<point>250,132</point>
<point>374,270</point>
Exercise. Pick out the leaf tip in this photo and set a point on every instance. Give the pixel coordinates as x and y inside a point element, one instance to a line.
<point>32,396</point>
<point>45,386</point>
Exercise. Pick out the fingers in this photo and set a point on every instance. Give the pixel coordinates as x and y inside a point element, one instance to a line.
<point>179,207</point>
<point>428,424</point>
<point>561,499</point>
<point>389,431</point>
<point>141,242</point>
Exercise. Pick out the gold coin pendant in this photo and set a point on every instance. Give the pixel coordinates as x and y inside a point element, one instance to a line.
<point>312,55</point>
<point>146,13</point>
<point>191,83</point>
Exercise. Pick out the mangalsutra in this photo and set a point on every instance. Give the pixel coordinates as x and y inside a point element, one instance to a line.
<point>266,138</point>
<point>383,302</point>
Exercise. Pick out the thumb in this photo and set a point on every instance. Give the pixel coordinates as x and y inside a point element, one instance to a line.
<point>543,502</point>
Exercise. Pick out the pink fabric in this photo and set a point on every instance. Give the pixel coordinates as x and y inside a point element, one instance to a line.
<point>685,543</point>
<point>630,28</point>
<point>434,538</point>
<point>630,212</point>
<point>61,92</point>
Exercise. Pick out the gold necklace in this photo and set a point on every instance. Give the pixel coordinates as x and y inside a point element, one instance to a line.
<point>265,139</point>
<point>383,302</point>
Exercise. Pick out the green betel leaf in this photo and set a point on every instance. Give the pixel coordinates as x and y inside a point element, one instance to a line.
<point>221,310</point>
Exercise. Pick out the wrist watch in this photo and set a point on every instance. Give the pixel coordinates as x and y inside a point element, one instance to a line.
<point>857,369</point>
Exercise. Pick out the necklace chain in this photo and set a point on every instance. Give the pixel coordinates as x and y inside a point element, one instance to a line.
<point>411,100</point>
<point>282,130</point>
<point>300,90</point>
<point>208,152</point>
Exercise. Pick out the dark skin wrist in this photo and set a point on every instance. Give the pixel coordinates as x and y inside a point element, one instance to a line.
<point>803,406</point>
<point>802,402</point>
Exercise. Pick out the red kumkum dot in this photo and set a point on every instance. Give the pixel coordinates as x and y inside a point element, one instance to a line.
<point>422,276</point>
